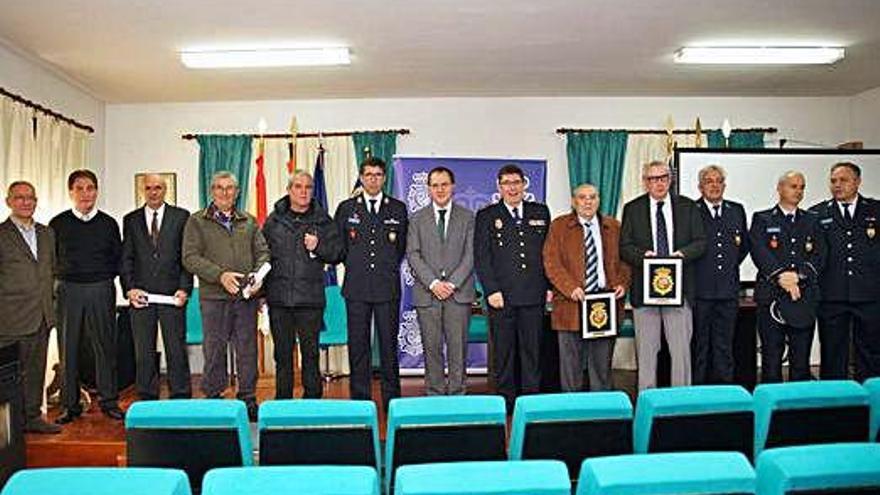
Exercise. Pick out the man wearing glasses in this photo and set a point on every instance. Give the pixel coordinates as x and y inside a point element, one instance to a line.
<point>373,226</point>
<point>508,243</point>
<point>664,225</point>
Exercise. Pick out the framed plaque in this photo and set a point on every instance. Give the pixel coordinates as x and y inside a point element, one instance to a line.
<point>599,315</point>
<point>662,282</point>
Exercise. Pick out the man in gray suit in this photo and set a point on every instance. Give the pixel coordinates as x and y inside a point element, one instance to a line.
<point>27,255</point>
<point>439,247</point>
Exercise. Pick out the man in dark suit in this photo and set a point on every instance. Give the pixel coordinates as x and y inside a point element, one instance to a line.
<point>850,283</point>
<point>789,251</point>
<point>27,255</point>
<point>151,263</point>
<point>660,224</point>
<point>717,301</point>
<point>508,257</point>
<point>373,227</point>
<point>440,250</point>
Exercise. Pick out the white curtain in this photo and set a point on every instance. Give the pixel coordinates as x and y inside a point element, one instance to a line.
<point>340,173</point>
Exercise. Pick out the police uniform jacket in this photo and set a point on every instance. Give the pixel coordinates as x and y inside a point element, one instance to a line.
<point>727,245</point>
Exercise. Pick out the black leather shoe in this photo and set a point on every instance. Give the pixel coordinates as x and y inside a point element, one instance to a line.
<point>67,416</point>
<point>114,413</point>
<point>37,425</point>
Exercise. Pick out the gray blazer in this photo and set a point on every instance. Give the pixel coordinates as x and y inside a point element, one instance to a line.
<point>26,284</point>
<point>430,259</point>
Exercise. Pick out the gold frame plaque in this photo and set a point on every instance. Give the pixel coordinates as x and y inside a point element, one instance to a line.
<point>662,282</point>
<point>599,315</point>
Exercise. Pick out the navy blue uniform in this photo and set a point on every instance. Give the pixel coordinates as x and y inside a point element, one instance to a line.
<point>374,245</point>
<point>850,288</point>
<point>717,295</point>
<point>778,245</point>
<point>508,258</point>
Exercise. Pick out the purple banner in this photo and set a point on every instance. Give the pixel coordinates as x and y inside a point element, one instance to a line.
<point>475,186</point>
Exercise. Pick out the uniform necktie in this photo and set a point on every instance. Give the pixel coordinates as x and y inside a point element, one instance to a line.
<point>662,241</point>
<point>846,214</point>
<point>591,259</point>
<point>441,225</point>
<point>516,217</point>
<point>717,214</point>
<point>789,217</point>
<point>372,206</point>
<point>154,229</point>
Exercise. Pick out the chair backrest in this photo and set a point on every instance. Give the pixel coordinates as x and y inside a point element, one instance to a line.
<point>484,478</point>
<point>193,318</point>
<point>814,469</point>
<point>443,428</point>
<point>873,387</point>
<point>319,431</point>
<point>799,413</point>
<point>705,418</point>
<point>277,480</point>
<point>98,481</point>
<point>680,473</point>
<point>571,427</point>
<point>335,330</point>
<point>190,434</point>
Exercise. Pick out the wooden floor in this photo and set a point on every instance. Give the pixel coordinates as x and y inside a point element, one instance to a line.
<point>95,440</point>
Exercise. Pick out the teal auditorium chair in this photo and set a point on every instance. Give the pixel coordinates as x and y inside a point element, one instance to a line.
<point>97,481</point>
<point>802,413</point>
<point>571,427</point>
<point>280,480</point>
<point>873,388</point>
<point>679,473</point>
<point>484,478</point>
<point>190,434</point>
<point>478,329</point>
<point>443,428</point>
<point>193,319</point>
<point>315,431</point>
<point>704,418</point>
<point>851,468</point>
<point>335,331</point>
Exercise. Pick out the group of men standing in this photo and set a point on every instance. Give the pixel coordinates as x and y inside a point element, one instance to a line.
<point>823,262</point>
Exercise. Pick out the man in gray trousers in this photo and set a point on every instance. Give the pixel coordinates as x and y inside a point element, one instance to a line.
<point>439,248</point>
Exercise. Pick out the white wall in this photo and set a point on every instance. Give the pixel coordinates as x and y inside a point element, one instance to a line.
<point>26,77</point>
<point>865,123</point>
<point>147,136</point>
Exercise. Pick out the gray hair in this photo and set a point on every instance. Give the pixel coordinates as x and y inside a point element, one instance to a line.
<point>585,185</point>
<point>790,174</point>
<point>711,168</point>
<point>17,184</point>
<point>224,174</point>
<point>654,163</point>
<point>296,174</point>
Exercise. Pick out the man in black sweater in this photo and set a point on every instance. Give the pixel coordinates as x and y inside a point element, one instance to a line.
<point>88,250</point>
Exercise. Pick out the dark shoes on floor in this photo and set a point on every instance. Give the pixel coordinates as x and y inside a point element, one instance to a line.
<point>37,425</point>
<point>67,416</point>
<point>114,413</point>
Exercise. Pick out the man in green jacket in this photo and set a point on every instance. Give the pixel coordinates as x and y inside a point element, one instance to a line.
<point>224,248</point>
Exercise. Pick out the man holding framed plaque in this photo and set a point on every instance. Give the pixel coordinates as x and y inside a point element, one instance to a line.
<point>582,261</point>
<point>661,235</point>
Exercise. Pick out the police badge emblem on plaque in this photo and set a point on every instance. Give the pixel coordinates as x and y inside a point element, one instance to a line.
<point>662,282</point>
<point>599,315</point>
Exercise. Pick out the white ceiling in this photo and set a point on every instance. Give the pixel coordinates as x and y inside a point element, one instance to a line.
<point>126,50</point>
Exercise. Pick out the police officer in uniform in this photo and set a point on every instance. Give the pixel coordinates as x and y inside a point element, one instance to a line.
<point>727,245</point>
<point>850,285</point>
<point>373,226</point>
<point>508,258</point>
<point>788,249</point>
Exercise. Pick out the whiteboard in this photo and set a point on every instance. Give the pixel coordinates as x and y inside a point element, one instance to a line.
<point>752,176</point>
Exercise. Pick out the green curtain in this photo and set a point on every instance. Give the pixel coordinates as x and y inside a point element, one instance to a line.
<point>738,139</point>
<point>597,157</point>
<point>224,152</point>
<point>383,145</point>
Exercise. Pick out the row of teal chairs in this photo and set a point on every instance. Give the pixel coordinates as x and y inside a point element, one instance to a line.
<point>204,434</point>
<point>803,470</point>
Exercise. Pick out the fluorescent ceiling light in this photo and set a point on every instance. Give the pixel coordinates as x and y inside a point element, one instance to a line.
<point>758,55</point>
<point>287,57</point>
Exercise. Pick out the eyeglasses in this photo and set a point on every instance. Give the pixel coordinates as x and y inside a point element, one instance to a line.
<point>657,178</point>
<point>229,188</point>
<point>374,175</point>
<point>510,183</point>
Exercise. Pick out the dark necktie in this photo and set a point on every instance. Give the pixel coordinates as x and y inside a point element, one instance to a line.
<point>372,206</point>
<point>717,214</point>
<point>154,229</point>
<point>662,241</point>
<point>591,261</point>
<point>789,217</point>
<point>441,225</point>
<point>846,214</point>
<point>516,217</point>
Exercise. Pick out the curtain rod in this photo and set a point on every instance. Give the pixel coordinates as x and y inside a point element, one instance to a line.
<point>766,130</point>
<point>302,134</point>
<point>40,108</point>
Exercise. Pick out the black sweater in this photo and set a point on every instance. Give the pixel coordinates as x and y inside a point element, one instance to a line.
<point>86,251</point>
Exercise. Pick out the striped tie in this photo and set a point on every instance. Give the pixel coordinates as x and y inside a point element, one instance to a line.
<point>590,258</point>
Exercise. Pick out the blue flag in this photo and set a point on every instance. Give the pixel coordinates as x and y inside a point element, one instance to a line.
<point>320,194</point>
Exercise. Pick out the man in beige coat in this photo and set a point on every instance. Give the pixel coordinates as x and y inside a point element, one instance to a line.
<point>27,255</point>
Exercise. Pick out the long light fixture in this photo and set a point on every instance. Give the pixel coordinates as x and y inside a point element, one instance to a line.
<point>758,55</point>
<point>285,57</point>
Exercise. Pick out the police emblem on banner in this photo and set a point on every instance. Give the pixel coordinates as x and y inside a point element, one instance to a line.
<point>663,278</point>
<point>599,315</point>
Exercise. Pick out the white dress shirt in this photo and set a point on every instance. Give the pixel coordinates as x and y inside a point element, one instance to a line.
<point>597,241</point>
<point>851,207</point>
<point>148,215</point>
<point>667,215</point>
<point>437,209</point>
<point>379,197</point>
<point>85,217</point>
